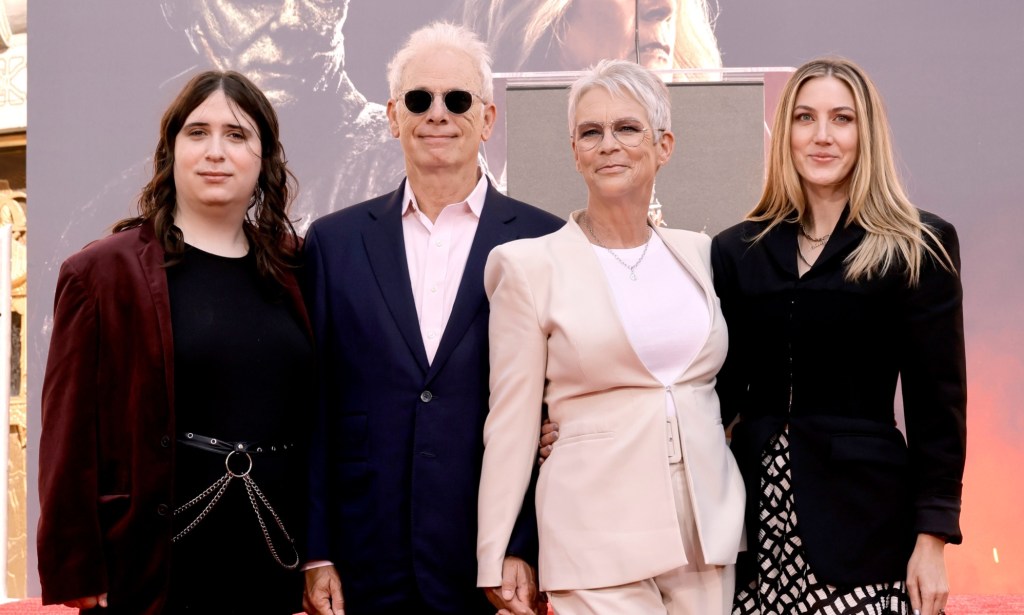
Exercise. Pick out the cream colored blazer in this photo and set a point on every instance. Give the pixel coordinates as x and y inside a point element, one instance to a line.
<point>605,507</point>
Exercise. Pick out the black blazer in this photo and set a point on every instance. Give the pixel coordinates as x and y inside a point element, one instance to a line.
<point>823,355</point>
<point>399,442</point>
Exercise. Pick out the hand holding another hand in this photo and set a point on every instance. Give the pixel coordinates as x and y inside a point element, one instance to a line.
<point>517,594</point>
<point>548,437</point>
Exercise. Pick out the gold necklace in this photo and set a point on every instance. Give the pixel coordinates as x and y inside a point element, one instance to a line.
<point>816,242</point>
<point>803,259</point>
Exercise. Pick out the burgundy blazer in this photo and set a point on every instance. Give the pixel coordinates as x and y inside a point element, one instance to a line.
<point>106,452</point>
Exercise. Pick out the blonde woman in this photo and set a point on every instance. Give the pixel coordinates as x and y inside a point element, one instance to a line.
<point>549,35</point>
<point>835,287</point>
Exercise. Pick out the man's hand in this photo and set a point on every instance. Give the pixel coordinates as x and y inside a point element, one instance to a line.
<point>926,576</point>
<point>518,592</point>
<point>323,592</point>
<point>88,602</point>
<point>548,436</point>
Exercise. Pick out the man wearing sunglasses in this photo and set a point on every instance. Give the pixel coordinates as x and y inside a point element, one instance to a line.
<point>394,288</point>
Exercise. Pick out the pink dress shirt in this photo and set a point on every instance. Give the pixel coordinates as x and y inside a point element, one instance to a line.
<point>437,253</point>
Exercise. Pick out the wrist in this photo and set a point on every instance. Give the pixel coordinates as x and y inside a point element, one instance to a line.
<point>931,541</point>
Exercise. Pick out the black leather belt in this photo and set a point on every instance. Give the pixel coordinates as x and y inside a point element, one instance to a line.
<point>224,447</point>
<point>242,453</point>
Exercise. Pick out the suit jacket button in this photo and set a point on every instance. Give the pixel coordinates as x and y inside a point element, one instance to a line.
<point>426,396</point>
<point>165,441</point>
<point>162,510</point>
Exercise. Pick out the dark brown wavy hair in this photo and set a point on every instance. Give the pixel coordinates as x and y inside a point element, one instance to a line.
<point>267,227</point>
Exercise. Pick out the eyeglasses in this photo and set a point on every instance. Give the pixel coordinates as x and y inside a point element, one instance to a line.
<point>456,101</point>
<point>628,131</point>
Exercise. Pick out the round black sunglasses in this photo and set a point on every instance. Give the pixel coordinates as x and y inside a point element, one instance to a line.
<point>456,101</point>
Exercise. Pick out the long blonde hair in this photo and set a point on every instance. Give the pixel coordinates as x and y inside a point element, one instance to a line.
<point>523,33</point>
<point>895,235</point>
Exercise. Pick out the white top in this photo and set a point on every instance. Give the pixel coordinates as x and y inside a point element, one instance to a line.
<point>664,311</point>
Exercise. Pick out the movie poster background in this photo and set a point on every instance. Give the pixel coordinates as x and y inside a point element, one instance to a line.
<point>951,74</point>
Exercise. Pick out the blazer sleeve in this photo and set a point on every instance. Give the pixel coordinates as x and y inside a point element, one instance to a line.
<point>934,382</point>
<point>518,357</point>
<point>314,291</point>
<point>728,383</point>
<point>69,538</point>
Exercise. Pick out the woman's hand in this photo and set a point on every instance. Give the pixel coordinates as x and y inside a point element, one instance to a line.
<point>518,593</point>
<point>88,602</point>
<point>548,436</point>
<point>926,576</point>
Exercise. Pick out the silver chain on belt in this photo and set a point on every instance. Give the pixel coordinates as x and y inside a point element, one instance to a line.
<point>256,496</point>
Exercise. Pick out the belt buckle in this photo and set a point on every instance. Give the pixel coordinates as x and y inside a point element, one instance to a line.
<point>675,449</point>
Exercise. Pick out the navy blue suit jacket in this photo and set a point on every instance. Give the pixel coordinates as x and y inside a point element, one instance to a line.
<point>397,451</point>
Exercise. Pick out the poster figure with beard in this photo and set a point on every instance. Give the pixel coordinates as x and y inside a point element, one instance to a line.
<point>338,142</point>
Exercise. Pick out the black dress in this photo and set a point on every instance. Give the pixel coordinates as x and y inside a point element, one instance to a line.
<point>243,378</point>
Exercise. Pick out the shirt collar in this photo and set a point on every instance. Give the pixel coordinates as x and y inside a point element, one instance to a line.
<point>475,200</point>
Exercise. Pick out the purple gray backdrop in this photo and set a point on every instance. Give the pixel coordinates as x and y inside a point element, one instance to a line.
<point>951,73</point>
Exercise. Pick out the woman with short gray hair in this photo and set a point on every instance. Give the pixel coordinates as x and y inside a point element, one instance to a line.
<point>612,323</point>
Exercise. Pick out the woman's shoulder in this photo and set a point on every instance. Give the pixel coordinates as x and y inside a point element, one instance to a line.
<point>100,255</point>
<point>943,233</point>
<point>120,242</point>
<point>685,236</point>
<point>687,241</point>
<point>741,233</point>
<point>533,258</point>
<point>944,229</point>
<point>528,247</point>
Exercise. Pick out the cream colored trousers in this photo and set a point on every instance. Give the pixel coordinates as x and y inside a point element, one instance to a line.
<point>694,589</point>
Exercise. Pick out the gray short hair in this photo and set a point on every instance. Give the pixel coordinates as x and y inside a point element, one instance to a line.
<point>622,77</point>
<point>447,35</point>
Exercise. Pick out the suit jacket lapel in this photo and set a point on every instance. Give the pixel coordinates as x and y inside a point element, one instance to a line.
<point>781,243</point>
<point>385,248</point>
<point>693,269</point>
<point>294,294</point>
<point>701,275</point>
<point>843,240</point>
<point>151,259</point>
<point>496,227</point>
<point>597,304</point>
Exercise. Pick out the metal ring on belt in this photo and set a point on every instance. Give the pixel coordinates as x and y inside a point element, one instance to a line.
<point>212,494</point>
<point>227,465</point>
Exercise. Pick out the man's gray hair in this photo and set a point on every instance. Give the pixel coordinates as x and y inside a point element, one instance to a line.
<point>444,35</point>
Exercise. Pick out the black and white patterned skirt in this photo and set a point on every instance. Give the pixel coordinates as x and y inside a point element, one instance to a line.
<point>785,584</point>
